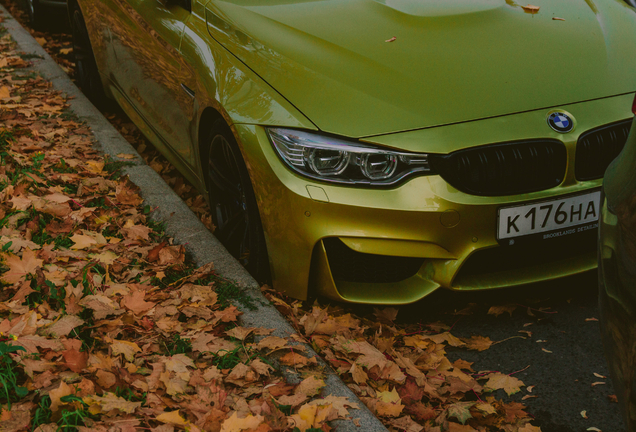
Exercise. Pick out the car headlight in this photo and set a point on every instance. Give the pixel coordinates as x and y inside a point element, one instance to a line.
<point>339,161</point>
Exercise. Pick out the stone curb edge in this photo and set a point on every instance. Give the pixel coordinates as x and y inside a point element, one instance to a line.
<point>181,223</point>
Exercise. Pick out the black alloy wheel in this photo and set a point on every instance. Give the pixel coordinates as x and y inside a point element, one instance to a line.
<point>233,203</point>
<point>36,13</point>
<point>86,72</point>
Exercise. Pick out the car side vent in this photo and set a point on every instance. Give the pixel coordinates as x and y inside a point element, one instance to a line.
<point>348,265</point>
<point>505,168</point>
<point>597,148</point>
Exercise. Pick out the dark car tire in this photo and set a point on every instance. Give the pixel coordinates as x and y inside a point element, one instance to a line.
<point>86,72</point>
<point>233,203</point>
<point>36,13</point>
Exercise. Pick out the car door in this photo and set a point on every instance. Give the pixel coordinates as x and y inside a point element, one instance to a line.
<point>146,41</point>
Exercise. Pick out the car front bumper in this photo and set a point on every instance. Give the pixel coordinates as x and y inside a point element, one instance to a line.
<point>451,233</point>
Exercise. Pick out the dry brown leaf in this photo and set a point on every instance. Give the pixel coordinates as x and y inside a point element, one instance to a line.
<point>136,303</point>
<point>498,310</point>
<point>509,384</point>
<point>19,268</point>
<point>531,9</point>
<point>478,343</point>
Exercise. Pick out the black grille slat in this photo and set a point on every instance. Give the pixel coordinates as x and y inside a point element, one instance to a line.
<point>597,148</point>
<point>504,169</point>
<point>348,265</point>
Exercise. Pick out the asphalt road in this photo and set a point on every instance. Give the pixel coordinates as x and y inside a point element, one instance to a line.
<point>562,378</point>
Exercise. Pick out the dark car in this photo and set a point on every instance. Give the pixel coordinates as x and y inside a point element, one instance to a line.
<point>617,275</point>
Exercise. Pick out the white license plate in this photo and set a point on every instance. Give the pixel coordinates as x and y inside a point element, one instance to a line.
<point>546,216</point>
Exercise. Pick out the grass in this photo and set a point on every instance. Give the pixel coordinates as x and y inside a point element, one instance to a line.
<point>229,292</point>
<point>177,345</point>
<point>29,56</point>
<point>42,413</point>
<point>130,395</point>
<point>71,419</point>
<point>10,389</point>
<point>114,168</point>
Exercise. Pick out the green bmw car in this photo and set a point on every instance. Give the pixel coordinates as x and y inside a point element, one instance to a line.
<point>374,151</point>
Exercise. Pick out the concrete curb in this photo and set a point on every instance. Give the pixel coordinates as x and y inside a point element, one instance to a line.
<point>181,223</point>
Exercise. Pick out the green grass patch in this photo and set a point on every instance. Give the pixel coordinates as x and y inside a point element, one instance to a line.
<point>177,345</point>
<point>9,373</point>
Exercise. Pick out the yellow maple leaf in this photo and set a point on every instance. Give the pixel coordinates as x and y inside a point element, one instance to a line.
<point>128,349</point>
<point>236,424</point>
<point>389,404</point>
<point>82,241</point>
<point>172,417</point>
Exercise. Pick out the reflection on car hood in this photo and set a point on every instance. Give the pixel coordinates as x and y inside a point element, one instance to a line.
<point>449,61</point>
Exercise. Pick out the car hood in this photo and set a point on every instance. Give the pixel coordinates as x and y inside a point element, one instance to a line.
<point>370,67</point>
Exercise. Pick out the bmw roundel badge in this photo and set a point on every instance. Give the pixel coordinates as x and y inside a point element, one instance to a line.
<point>560,122</point>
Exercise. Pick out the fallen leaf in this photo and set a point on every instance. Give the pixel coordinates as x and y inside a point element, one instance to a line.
<point>63,326</point>
<point>498,310</point>
<point>109,402</point>
<point>478,343</point>
<point>531,9</point>
<point>136,303</point>
<point>558,19</point>
<point>407,424</point>
<point>598,375</point>
<point>584,414</point>
<point>460,411</point>
<point>391,39</point>
<point>389,404</point>
<point>128,349</point>
<point>598,383</point>
<point>172,417</point>
<point>509,384</point>
<point>234,423</point>
<point>19,268</point>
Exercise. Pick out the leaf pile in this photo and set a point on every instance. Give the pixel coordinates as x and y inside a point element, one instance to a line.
<point>59,45</point>
<point>402,372</point>
<point>118,330</point>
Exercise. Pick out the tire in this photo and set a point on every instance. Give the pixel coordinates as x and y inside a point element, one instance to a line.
<point>233,203</point>
<point>36,14</point>
<point>86,72</point>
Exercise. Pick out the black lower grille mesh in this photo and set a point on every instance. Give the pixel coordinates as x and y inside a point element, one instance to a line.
<point>348,265</point>
<point>505,258</point>
<point>597,148</point>
<point>504,169</point>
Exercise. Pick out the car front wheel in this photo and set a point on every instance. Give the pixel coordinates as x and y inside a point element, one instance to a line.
<point>86,72</point>
<point>36,13</point>
<point>233,203</point>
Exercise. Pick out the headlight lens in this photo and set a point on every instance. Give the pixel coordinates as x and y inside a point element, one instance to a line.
<point>339,161</point>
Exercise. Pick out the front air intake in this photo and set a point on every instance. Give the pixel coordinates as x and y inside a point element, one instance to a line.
<point>348,265</point>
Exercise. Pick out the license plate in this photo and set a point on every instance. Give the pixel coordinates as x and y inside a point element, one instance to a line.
<point>554,218</point>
